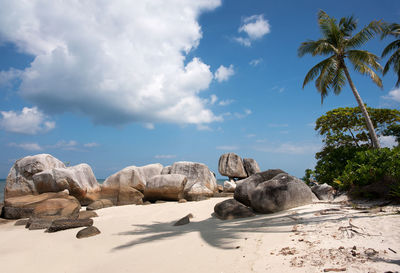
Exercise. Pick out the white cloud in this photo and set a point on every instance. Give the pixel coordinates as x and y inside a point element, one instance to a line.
<point>393,95</point>
<point>243,115</point>
<point>213,99</point>
<point>255,62</point>
<point>27,146</point>
<point>9,76</point>
<point>149,126</point>
<point>113,61</point>
<point>224,73</point>
<point>28,121</point>
<point>388,141</point>
<point>227,148</point>
<point>255,27</point>
<point>90,145</point>
<point>65,145</point>
<point>225,102</point>
<point>164,156</point>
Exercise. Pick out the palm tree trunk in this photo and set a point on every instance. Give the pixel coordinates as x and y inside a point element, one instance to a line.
<point>374,138</point>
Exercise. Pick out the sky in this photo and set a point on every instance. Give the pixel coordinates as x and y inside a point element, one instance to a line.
<point>120,83</point>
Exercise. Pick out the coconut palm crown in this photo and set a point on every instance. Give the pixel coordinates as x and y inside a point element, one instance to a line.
<point>339,44</point>
<point>394,60</point>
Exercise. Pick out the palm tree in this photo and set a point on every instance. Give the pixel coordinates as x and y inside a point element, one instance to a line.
<point>339,44</point>
<point>394,60</point>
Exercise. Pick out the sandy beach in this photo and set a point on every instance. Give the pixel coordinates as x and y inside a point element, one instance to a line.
<point>312,238</point>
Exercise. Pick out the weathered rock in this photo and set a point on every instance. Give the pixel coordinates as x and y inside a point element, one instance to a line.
<point>165,187</point>
<point>229,186</point>
<point>166,170</point>
<point>100,204</point>
<point>88,232</point>
<point>198,192</point>
<point>184,220</point>
<point>182,201</point>
<point>57,208</point>
<point>86,214</point>
<point>23,206</point>
<point>63,224</point>
<point>129,196</point>
<point>21,222</point>
<point>251,166</point>
<point>197,175</point>
<point>133,176</point>
<point>280,193</point>
<point>220,188</point>
<point>35,224</point>
<point>231,165</point>
<point>324,191</point>
<point>245,186</point>
<point>19,180</point>
<point>79,180</point>
<point>1,209</point>
<point>232,209</point>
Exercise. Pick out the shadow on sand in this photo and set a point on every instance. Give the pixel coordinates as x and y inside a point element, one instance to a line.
<point>223,233</point>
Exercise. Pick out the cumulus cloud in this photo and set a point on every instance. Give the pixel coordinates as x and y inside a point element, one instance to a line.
<point>388,141</point>
<point>114,61</point>
<point>225,102</point>
<point>65,145</point>
<point>393,95</point>
<point>90,145</point>
<point>227,148</point>
<point>29,121</point>
<point>27,146</point>
<point>223,73</point>
<point>164,156</point>
<point>254,27</point>
<point>213,99</point>
<point>8,77</point>
<point>244,114</point>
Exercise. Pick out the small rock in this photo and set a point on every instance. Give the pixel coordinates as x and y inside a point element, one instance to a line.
<point>88,232</point>
<point>87,214</point>
<point>146,203</point>
<point>21,222</point>
<point>99,204</point>
<point>370,252</point>
<point>232,209</point>
<point>184,221</point>
<point>35,224</point>
<point>182,201</point>
<point>160,202</point>
<point>63,224</point>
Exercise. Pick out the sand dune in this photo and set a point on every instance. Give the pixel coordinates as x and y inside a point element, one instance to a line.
<point>143,239</point>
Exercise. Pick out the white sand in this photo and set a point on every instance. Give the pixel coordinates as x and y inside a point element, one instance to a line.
<point>143,239</point>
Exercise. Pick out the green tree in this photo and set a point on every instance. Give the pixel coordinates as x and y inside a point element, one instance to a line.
<point>339,44</point>
<point>346,126</point>
<point>394,60</point>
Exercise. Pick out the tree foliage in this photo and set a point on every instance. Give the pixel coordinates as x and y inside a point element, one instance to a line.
<point>346,126</point>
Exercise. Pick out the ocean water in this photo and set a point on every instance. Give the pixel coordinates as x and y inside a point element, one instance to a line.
<point>3,184</point>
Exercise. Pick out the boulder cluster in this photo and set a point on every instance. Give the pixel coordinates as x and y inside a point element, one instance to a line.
<point>254,191</point>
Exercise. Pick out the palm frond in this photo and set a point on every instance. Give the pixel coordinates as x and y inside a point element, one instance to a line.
<point>365,34</point>
<point>319,47</point>
<point>394,61</point>
<point>315,70</point>
<point>395,45</point>
<point>324,81</point>
<point>347,25</point>
<point>363,68</point>
<point>364,57</point>
<point>339,81</point>
<point>392,29</point>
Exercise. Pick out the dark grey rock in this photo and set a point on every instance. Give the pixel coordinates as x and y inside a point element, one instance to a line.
<point>231,165</point>
<point>245,186</point>
<point>21,222</point>
<point>87,214</point>
<point>251,166</point>
<point>35,224</point>
<point>88,232</point>
<point>232,209</point>
<point>184,220</point>
<point>324,191</point>
<point>280,193</point>
<point>63,224</point>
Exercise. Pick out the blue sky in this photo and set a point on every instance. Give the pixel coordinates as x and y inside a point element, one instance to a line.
<point>116,83</point>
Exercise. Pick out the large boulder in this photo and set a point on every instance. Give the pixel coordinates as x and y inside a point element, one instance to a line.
<point>323,192</point>
<point>23,206</point>
<point>79,180</point>
<point>280,193</point>
<point>100,204</point>
<point>57,208</point>
<point>197,175</point>
<point>19,180</point>
<point>251,166</point>
<point>129,196</point>
<point>165,187</point>
<point>232,209</point>
<point>246,186</point>
<point>231,165</point>
<point>63,224</point>
<point>132,176</point>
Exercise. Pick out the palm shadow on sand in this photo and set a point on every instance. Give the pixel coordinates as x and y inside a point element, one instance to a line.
<point>225,233</point>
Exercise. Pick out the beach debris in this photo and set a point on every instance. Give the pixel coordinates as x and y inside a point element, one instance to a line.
<point>184,220</point>
<point>251,166</point>
<point>86,214</point>
<point>351,230</point>
<point>88,232</point>
<point>232,209</point>
<point>63,224</point>
<point>335,269</point>
<point>370,252</point>
<point>392,250</point>
<point>231,165</point>
<point>99,204</point>
<point>287,251</point>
